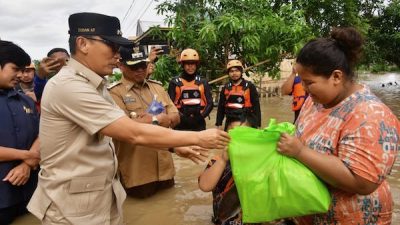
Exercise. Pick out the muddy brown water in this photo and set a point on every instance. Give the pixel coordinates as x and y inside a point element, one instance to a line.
<point>185,204</point>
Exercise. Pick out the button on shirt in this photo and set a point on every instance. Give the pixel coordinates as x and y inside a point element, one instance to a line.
<point>78,164</point>
<point>19,129</point>
<point>141,164</point>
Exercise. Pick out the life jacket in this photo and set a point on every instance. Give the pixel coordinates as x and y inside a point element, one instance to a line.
<point>189,95</point>
<point>237,96</point>
<point>299,96</point>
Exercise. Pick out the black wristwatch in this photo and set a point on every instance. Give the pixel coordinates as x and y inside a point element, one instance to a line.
<point>154,120</point>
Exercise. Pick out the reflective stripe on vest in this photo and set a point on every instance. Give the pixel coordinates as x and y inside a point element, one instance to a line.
<point>190,93</point>
<point>237,97</point>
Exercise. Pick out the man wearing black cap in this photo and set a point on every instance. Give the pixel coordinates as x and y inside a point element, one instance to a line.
<point>78,182</point>
<point>134,94</point>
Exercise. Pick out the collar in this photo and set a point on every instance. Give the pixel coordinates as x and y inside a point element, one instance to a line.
<point>130,84</point>
<point>86,73</point>
<point>240,84</point>
<point>8,92</point>
<point>188,77</point>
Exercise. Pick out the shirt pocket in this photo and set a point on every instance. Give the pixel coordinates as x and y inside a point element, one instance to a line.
<point>134,107</point>
<point>85,194</point>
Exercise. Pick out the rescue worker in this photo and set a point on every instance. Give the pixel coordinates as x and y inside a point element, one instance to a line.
<point>238,98</point>
<point>19,143</point>
<point>78,180</point>
<point>190,93</point>
<point>293,86</point>
<point>26,84</point>
<point>144,170</point>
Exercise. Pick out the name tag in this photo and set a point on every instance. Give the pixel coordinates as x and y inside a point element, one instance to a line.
<point>128,99</point>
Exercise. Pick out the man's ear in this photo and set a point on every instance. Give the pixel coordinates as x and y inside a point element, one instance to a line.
<point>82,45</point>
<point>337,76</point>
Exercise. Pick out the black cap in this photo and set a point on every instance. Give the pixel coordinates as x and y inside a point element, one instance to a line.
<point>107,27</point>
<point>132,56</point>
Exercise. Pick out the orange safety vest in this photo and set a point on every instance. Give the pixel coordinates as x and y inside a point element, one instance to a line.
<point>237,96</point>
<point>299,96</point>
<point>189,93</point>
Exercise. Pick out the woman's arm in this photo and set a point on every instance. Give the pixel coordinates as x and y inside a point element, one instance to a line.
<point>329,168</point>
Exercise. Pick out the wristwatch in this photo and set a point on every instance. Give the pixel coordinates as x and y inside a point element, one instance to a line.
<point>154,120</point>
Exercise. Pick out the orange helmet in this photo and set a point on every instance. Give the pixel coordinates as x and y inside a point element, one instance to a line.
<point>234,63</point>
<point>189,55</point>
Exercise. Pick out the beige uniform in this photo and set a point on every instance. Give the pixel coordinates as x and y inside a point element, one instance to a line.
<point>77,180</point>
<point>139,164</point>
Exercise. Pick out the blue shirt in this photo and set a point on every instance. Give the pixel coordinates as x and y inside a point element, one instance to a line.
<point>38,86</point>
<point>19,128</point>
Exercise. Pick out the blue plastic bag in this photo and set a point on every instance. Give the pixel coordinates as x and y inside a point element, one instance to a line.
<point>155,107</point>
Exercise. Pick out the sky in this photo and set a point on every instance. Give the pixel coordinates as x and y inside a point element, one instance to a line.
<point>40,25</point>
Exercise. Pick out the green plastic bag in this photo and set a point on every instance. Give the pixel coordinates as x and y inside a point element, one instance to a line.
<point>270,185</point>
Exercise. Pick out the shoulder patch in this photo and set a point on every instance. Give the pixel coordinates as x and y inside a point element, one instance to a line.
<point>154,81</point>
<point>81,75</point>
<point>111,86</point>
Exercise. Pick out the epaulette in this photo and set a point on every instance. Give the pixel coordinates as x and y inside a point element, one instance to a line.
<point>111,86</point>
<point>154,81</point>
<point>81,75</point>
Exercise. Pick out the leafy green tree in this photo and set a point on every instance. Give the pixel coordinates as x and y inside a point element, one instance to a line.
<point>385,34</point>
<point>249,30</point>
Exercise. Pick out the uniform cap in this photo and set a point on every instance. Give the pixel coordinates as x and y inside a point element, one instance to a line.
<point>108,27</point>
<point>132,56</point>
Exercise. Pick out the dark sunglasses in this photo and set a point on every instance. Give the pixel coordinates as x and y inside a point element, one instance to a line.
<point>114,46</point>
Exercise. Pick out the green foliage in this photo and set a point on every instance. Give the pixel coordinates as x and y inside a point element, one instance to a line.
<point>249,30</point>
<point>385,34</point>
<point>116,76</point>
<point>165,68</point>
<point>258,30</point>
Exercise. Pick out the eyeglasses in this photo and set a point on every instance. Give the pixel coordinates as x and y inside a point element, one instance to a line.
<point>114,47</point>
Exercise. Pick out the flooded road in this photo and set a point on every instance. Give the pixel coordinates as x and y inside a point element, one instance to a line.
<point>185,204</point>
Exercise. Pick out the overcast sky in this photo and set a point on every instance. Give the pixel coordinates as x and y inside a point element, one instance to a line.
<point>40,25</point>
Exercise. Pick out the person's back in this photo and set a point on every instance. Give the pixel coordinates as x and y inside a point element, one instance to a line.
<point>293,86</point>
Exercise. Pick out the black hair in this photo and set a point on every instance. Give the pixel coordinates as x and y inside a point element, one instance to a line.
<point>244,117</point>
<point>341,51</point>
<point>12,53</point>
<point>238,67</point>
<point>57,50</point>
<point>72,44</point>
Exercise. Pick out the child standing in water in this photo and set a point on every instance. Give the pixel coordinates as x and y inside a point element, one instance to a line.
<point>217,177</point>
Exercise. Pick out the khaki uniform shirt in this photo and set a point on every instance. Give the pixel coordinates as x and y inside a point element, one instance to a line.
<point>139,164</point>
<point>78,164</point>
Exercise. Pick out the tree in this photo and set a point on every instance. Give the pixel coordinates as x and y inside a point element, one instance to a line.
<point>249,30</point>
<point>385,33</point>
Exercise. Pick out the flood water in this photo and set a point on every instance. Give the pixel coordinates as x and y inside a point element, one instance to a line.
<point>185,204</point>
